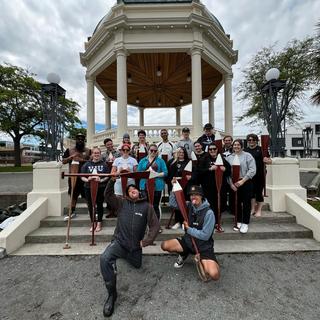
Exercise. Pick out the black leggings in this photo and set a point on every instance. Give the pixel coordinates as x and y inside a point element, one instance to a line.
<point>244,195</point>
<point>99,202</point>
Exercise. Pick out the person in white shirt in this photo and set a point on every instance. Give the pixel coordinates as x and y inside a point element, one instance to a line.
<point>124,163</point>
<point>166,148</point>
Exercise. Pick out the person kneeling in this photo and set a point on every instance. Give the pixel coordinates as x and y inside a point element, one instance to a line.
<point>202,221</point>
<point>134,214</point>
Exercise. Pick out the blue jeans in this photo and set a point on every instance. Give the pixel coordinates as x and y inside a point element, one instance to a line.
<point>110,255</point>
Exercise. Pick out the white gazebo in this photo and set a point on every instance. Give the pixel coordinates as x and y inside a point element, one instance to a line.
<point>157,54</point>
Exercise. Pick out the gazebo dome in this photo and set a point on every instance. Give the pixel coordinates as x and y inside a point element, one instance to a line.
<point>153,54</point>
<point>140,2</point>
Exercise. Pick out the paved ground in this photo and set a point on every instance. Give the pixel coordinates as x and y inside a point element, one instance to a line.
<point>259,286</point>
<point>15,182</point>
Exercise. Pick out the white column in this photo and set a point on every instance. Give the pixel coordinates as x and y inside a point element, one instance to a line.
<point>178,116</point>
<point>211,110</point>
<point>196,92</point>
<point>141,116</point>
<point>90,112</point>
<point>121,93</point>
<point>107,112</point>
<point>228,118</point>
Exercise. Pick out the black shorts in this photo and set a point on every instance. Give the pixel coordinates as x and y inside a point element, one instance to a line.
<point>204,255</point>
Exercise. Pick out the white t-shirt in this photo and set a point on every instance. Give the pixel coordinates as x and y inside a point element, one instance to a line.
<point>166,148</point>
<point>122,163</point>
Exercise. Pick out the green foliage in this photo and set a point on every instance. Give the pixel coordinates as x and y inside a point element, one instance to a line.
<point>74,131</point>
<point>16,169</point>
<point>296,65</point>
<point>20,104</point>
<point>21,107</point>
<point>316,96</point>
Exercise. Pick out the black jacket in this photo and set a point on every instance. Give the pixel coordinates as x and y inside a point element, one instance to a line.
<point>133,218</point>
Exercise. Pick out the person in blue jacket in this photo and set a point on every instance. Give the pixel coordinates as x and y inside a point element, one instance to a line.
<point>154,163</point>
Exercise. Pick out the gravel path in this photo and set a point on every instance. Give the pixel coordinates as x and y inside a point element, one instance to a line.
<point>259,286</point>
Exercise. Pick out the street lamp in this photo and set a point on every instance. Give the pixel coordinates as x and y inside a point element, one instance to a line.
<point>307,134</point>
<point>53,112</point>
<point>274,113</point>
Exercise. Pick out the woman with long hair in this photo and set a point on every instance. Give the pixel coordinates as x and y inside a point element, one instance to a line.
<point>258,180</point>
<point>95,165</point>
<point>207,177</point>
<point>243,186</point>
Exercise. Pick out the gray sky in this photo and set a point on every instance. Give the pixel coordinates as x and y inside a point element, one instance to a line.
<point>47,36</point>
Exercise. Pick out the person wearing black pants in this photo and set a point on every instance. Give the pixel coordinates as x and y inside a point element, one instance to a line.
<point>96,165</point>
<point>243,186</point>
<point>134,215</point>
<point>175,169</point>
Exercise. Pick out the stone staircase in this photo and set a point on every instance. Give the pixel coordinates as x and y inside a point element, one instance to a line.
<point>273,232</point>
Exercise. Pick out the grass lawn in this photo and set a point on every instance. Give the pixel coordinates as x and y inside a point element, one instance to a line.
<point>315,204</point>
<point>16,169</point>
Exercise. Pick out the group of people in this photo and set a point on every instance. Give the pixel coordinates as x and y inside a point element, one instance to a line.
<point>128,199</point>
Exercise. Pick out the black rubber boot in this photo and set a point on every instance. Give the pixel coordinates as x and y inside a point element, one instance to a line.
<point>112,297</point>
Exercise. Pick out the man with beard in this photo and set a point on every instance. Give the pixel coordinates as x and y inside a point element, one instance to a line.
<point>77,155</point>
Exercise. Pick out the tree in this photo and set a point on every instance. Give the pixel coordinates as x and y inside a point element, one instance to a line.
<point>20,105</point>
<point>74,131</point>
<point>316,96</point>
<point>296,65</point>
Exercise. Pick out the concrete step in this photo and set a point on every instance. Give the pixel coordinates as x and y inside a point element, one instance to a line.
<point>83,209</point>
<point>83,220</point>
<point>256,231</point>
<point>221,246</point>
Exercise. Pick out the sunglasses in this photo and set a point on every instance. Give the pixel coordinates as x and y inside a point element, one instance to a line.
<point>210,149</point>
<point>125,150</point>
<point>153,150</point>
<point>251,140</point>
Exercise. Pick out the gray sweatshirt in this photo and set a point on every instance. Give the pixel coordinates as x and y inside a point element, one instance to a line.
<point>247,164</point>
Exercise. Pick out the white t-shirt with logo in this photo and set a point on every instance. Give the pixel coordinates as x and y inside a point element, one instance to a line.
<point>122,163</point>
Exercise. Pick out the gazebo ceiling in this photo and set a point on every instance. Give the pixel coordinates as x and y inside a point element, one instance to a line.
<point>159,79</point>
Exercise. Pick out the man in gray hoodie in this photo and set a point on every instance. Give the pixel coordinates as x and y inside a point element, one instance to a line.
<point>200,227</point>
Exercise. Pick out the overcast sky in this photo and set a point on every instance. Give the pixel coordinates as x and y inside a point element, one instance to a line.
<point>47,36</point>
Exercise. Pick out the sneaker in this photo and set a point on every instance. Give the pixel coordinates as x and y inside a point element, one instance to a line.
<point>237,228</point>
<point>244,228</point>
<point>73,215</point>
<point>176,226</point>
<point>180,262</point>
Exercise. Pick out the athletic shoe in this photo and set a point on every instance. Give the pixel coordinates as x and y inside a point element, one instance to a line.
<point>237,228</point>
<point>73,215</point>
<point>244,228</point>
<point>180,262</point>
<point>176,226</point>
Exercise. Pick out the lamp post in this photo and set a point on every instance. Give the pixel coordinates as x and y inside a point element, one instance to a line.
<point>274,113</point>
<point>53,122</point>
<point>307,134</point>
